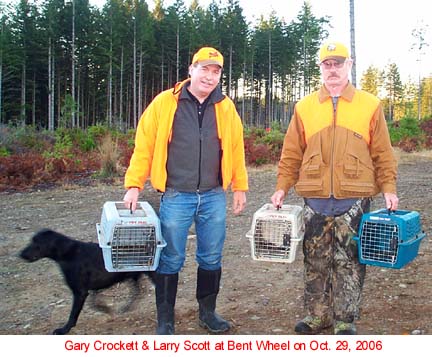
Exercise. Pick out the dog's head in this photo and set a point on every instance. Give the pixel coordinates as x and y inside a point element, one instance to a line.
<point>44,244</point>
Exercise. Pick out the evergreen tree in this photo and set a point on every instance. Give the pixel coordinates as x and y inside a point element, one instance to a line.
<point>234,32</point>
<point>7,67</point>
<point>426,99</point>
<point>394,88</point>
<point>370,81</point>
<point>72,64</point>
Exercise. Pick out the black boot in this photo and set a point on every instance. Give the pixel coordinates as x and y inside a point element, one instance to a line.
<point>166,291</point>
<point>207,290</point>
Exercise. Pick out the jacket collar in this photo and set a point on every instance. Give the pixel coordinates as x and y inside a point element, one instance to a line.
<point>347,93</point>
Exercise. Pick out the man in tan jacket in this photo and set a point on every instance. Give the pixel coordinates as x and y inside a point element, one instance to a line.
<point>337,155</point>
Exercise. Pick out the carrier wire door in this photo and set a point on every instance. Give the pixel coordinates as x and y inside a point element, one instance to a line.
<point>133,246</point>
<point>130,241</point>
<point>275,233</point>
<point>389,238</point>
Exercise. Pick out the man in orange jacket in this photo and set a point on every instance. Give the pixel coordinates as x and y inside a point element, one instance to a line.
<point>337,155</point>
<point>190,142</point>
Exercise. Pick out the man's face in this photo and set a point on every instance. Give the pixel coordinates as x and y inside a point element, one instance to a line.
<point>204,79</point>
<point>335,72</point>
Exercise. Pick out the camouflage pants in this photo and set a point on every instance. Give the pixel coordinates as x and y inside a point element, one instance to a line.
<point>332,273</point>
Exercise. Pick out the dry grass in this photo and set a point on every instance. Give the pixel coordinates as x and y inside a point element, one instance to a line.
<point>404,157</point>
<point>109,156</point>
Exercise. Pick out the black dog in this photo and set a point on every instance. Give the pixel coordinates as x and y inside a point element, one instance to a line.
<point>82,266</point>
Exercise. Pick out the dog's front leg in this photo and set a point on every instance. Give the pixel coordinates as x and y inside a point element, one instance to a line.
<point>78,303</point>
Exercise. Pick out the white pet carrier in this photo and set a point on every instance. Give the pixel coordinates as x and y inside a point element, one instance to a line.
<point>130,241</point>
<point>275,233</point>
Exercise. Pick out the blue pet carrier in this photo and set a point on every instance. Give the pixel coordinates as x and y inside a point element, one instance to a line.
<point>389,238</point>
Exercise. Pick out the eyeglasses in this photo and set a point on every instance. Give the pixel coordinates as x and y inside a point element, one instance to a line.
<point>336,64</point>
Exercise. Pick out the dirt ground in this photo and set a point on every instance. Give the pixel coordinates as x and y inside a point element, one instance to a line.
<point>259,298</point>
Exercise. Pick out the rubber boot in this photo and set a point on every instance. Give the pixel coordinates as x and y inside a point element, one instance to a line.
<point>206,294</point>
<point>166,291</point>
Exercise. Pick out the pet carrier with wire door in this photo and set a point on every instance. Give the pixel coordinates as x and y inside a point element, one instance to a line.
<point>275,233</point>
<point>130,241</point>
<point>389,238</point>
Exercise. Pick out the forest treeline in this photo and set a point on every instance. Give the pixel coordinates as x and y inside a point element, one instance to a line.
<point>66,64</point>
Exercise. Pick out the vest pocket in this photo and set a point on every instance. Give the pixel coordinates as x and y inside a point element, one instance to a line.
<point>356,161</point>
<point>312,169</point>
<point>352,167</point>
<point>308,187</point>
<point>357,188</point>
<point>312,165</point>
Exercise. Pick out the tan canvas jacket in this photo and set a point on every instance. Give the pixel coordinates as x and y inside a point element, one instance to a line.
<point>346,153</point>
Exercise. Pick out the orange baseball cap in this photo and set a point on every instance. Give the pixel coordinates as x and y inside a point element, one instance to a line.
<point>334,50</point>
<point>208,55</point>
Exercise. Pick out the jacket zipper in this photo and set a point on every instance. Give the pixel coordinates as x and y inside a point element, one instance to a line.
<point>333,145</point>
<point>199,164</point>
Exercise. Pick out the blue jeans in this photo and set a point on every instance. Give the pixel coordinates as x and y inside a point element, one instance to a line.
<point>178,210</point>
